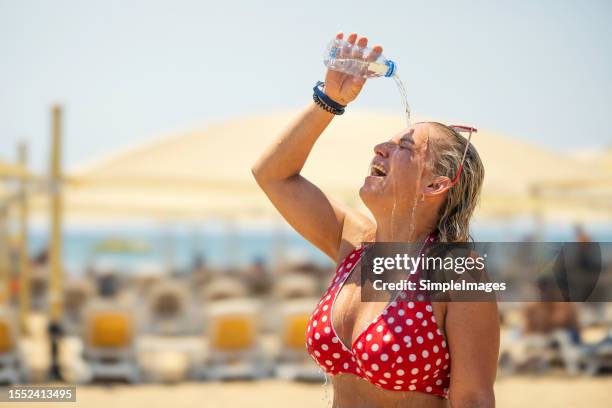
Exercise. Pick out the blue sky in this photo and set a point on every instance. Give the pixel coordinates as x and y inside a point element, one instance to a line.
<point>129,71</point>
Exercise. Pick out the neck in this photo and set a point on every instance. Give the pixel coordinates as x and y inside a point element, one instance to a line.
<point>406,228</point>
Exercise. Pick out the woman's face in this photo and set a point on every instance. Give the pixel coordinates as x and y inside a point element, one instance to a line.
<point>398,172</point>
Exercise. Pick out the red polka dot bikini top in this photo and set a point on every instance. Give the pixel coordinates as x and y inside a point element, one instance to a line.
<point>402,349</point>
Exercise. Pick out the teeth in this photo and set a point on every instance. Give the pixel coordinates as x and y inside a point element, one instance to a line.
<point>378,170</point>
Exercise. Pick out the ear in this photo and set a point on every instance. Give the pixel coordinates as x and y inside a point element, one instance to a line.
<point>437,186</point>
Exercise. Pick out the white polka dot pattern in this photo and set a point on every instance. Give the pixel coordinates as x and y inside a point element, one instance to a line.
<point>397,351</point>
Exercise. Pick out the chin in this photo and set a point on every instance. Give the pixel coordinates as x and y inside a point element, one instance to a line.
<point>372,197</point>
<point>375,185</point>
<point>379,198</point>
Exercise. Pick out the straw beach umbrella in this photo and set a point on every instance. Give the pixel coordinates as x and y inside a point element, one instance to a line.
<point>594,191</point>
<point>206,172</point>
<point>600,158</point>
<point>13,171</point>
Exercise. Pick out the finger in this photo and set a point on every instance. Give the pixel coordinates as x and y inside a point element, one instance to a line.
<point>362,43</point>
<point>374,53</point>
<point>350,41</point>
<point>340,35</point>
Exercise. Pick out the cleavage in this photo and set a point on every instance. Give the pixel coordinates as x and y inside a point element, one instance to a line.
<point>349,315</point>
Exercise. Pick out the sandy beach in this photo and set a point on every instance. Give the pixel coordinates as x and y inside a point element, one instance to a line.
<point>510,392</point>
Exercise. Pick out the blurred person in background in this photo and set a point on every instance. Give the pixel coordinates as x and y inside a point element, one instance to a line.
<point>256,277</point>
<point>107,284</point>
<point>200,272</point>
<point>551,332</point>
<point>589,265</point>
<point>39,276</point>
<point>411,194</point>
<point>580,234</point>
<point>547,316</point>
<point>41,259</point>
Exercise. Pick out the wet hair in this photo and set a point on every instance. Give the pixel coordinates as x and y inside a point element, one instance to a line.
<point>463,198</point>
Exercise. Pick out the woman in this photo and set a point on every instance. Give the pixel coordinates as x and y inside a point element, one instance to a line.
<point>376,355</point>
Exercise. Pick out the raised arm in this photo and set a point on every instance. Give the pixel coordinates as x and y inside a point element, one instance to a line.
<point>315,216</point>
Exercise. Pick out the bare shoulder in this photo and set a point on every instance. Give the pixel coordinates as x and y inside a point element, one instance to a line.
<point>357,228</point>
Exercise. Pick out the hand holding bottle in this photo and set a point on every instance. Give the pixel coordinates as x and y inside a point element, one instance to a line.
<point>343,87</point>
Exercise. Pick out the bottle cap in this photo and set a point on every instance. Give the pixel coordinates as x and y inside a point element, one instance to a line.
<point>391,68</point>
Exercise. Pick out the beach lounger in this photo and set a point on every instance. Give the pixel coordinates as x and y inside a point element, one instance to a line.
<point>292,360</point>
<point>519,351</point>
<point>294,286</point>
<point>573,356</point>
<point>167,309</point>
<point>599,356</point>
<point>77,294</point>
<point>221,288</point>
<point>233,345</point>
<point>539,352</point>
<point>109,343</point>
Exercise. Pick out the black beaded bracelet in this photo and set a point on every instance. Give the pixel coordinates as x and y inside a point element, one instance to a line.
<point>325,102</point>
<point>326,107</point>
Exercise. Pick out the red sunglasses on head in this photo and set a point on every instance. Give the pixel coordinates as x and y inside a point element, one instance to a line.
<point>462,129</point>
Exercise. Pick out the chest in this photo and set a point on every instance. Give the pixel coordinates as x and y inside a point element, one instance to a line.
<point>350,316</point>
<point>395,344</point>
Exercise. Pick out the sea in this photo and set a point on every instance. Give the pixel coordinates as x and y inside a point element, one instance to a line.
<point>160,249</point>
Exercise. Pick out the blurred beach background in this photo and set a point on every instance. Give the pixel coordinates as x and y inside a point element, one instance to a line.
<point>139,260</point>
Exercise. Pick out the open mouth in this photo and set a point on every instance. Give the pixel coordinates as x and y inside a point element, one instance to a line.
<point>377,170</point>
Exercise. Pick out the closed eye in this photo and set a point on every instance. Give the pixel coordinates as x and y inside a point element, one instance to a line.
<point>405,143</point>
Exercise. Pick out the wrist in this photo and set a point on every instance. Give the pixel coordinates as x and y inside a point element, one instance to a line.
<point>325,102</point>
<point>315,106</point>
<point>337,98</point>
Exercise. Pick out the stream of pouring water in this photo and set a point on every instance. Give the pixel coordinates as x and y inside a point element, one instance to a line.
<point>407,112</point>
<point>325,398</point>
<point>411,226</point>
<point>404,95</point>
<point>402,90</point>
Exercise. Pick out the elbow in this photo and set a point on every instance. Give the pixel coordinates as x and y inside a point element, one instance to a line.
<point>265,176</point>
<point>262,178</point>
<point>257,173</point>
<point>473,399</point>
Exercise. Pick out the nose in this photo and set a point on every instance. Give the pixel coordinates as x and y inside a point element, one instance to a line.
<point>382,149</point>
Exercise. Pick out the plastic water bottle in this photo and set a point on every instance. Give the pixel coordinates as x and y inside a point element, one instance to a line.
<point>339,58</point>
<point>348,64</point>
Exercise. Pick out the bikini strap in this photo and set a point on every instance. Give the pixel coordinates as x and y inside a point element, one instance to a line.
<point>418,295</point>
<point>351,257</point>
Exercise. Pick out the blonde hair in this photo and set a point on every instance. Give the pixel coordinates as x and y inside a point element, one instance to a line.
<point>463,197</point>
